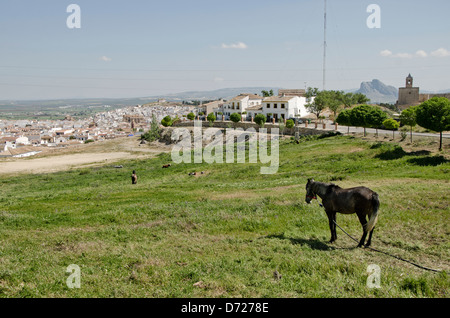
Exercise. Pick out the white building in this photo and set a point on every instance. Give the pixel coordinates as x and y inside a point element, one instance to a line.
<point>22,140</point>
<point>284,107</point>
<point>240,103</point>
<point>290,103</point>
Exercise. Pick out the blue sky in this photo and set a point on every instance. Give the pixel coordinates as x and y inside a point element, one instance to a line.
<point>141,48</point>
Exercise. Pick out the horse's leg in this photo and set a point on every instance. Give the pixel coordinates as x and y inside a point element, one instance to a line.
<point>369,241</point>
<point>363,221</point>
<point>331,217</point>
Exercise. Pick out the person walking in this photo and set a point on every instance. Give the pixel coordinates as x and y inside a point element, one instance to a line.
<point>134,177</point>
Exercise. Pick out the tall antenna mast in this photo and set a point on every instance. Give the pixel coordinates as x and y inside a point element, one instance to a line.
<point>324,44</point>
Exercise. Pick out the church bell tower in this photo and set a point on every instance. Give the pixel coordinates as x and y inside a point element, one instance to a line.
<point>409,81</point>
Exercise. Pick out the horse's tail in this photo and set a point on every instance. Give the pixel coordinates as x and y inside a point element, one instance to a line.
<point>374,217</point>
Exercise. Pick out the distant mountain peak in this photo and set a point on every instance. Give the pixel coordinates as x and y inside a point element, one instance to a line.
<point>378,92</point>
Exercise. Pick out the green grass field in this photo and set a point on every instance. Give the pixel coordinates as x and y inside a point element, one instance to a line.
<point>225,233</point>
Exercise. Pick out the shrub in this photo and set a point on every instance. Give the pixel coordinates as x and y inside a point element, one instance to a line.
<point>166,121</point>
<point>191,116</point>
<point>235,117</point>
<point>260,120</point>
<point>211,118</point>
<point>289,123</point>
<point>391,124</point>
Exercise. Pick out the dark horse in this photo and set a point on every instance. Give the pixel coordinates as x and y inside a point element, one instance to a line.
<point>360,200</point>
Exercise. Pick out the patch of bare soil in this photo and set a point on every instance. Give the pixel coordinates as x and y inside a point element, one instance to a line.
<point>79,156</point>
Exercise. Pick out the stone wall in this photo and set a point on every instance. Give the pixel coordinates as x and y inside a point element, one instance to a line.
<point>425,97</point>
<point>408,96</point>
<point>303,131</point>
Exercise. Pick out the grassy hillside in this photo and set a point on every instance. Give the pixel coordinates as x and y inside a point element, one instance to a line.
<point>224,233</point>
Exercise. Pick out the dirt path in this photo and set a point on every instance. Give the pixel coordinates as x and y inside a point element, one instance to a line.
<point>81,156</point>
<point>58,163</point>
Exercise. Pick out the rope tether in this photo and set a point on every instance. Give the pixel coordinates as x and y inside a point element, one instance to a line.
<point>399,258</point>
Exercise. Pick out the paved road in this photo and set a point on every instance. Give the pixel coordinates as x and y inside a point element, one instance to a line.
<point>359,130</point>
<point>344,129</point>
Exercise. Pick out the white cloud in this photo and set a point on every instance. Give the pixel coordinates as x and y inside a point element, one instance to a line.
<point>386,53</point>
<point>105,59</point>
<point>239,45</point>
<point>441,53</point>
<point>421,53</point>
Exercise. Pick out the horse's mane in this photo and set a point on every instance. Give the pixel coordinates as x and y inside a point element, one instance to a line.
<point>332,185</point>
<point>327,187</point>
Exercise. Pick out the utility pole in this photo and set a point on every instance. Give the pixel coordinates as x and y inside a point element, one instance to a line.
<point>324,44</point>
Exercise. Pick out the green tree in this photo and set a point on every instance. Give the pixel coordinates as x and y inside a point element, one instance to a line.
<point>347,99</point>
<point>434,114</point>
<point>376,117</point>
<point>319,104</point>
<point>235,117</point>
<point>260,120</point>
<point>267,93</point>
<point>408,118</point>
<point>167,121</point>
<point>360,98</point>
<point>155,131</point>
<point>211,118</point>
<point>333,101</point>
<point>311,92</point>
<point>290,123</point>
<point>359,116</point>
<point>191,116</point>
<point>344,119</point>
<point>391,124</point>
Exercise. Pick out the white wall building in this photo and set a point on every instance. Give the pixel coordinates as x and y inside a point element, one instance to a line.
<point>290,103</point>
<point>22,140</point>
<point>240,103</point>
<point>284,107</point>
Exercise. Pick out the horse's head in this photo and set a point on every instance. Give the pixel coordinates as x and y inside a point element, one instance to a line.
<point>310,195</point>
